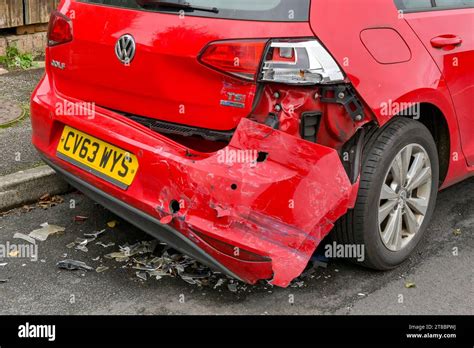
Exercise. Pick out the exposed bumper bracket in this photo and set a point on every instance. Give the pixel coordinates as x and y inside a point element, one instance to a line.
<point>346,96</point>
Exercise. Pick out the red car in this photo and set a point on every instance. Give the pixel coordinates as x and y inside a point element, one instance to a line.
<point>243,132</point>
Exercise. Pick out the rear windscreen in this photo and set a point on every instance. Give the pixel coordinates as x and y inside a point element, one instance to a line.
<point>257,10</point>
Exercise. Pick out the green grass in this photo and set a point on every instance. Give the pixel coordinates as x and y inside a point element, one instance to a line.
<point>14,59</point>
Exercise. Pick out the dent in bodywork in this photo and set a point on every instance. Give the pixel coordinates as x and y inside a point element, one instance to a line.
<point>280,208</point>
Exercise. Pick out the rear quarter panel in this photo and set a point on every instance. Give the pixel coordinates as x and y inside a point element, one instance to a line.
<point>339,24</point>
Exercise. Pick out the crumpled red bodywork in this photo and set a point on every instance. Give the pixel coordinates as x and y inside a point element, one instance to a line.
<point>260,219</point>
<point>281,208</point>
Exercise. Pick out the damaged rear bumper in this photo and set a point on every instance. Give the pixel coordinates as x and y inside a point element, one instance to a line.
<point>279,207</point>
<point>147,223</point>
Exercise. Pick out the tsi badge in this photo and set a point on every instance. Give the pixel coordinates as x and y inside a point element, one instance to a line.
<point>234,100</point>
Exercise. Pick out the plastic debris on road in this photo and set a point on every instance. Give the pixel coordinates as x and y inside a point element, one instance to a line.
<point>24,237</point>
<point>73,265</point>
<point>94,235</point>
<point>45,231</point>
<point>103,245</point>
<point>156,260</point>
<point>127,251</point>
<point>152,262</point>
<point>232,287</point>
<point>142,275</point>
<point>101,269</point>
<point>80,218</point>
<point>82,243</point>
<point>112,224</point>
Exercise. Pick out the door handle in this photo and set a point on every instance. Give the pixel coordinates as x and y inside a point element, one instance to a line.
<point>446,41</point>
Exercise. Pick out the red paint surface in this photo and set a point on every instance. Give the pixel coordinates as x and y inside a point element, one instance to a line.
<point>456,62</point>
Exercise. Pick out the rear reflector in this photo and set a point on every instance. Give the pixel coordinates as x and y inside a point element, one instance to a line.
<point>60,29</point>
<point>231,250</point>
<point>237,58</point>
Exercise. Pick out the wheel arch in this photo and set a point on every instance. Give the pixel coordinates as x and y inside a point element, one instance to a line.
<point>432,117</point>
<point>436,111</point>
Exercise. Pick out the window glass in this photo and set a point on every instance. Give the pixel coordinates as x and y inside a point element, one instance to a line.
<point>263,10</point>
<point>454,3</point>
<point>414,4</point>
<point>426,5</point>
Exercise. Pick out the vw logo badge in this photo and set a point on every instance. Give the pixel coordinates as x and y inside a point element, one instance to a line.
<point>125,49</point>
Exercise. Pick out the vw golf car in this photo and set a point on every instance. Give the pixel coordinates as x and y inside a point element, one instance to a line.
<point>243,132</point>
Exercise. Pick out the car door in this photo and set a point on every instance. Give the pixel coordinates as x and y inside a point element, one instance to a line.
<point>446,28</point>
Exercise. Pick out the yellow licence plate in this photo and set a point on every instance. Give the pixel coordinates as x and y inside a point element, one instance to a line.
<point>106,161</point>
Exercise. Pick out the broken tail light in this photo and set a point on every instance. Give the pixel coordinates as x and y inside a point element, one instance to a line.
<point>300,63</point>
<point>237,58</point>
<point>59,30</point>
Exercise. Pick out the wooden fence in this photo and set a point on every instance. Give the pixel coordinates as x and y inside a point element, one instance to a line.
<point>17,13</point>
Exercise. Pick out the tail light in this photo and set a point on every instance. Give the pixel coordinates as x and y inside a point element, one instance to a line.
<point>237,58</point>
<point>300,63</point>
<point>303,62</point>
<point>60,29</point>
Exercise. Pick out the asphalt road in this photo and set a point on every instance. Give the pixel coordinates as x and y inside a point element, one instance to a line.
<point>441,270</point>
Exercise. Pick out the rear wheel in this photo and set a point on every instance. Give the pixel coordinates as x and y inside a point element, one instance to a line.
<point>397,196</point>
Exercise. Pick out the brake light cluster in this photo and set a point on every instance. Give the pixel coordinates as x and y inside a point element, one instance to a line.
<point>59,30</point>
<point>300,63</point>
<point>295,62</point>
<point>237,58</point>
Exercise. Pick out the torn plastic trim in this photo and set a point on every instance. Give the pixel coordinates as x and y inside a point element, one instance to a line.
<point>179,129</point>
<point>352,153</point>
<point>281,208</point>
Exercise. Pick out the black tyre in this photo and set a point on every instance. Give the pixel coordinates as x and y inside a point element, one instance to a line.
<point>397,197</point>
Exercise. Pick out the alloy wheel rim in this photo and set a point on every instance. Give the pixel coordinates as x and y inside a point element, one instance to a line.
<point>404,197</point>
